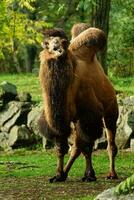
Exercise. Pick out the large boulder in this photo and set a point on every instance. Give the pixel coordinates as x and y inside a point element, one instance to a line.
<point>125,123</point>
<point>18,135</point>
<point>8,91</point>
<point>4,141</point>
<point>14,108</point>
<point>32,123</point>
<point>14,112</point>
<point>24,97</point>
<point>33,118</point>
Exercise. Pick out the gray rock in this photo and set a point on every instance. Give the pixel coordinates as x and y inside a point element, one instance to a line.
<point>129,101</point>
<point>11,122</point>
<point>13,113</point>
<point>8,91</point>
<point>18,133</point>
<point>4,141</point>
<point>33,118</point>
<point>131,119</point>
<point>108,195</point>
<point>15,136</point>
<point>1,104</point>
<point>8,87</point>
<point>8,112</point>
<point>32,123</point>
<point>24,97</point>
<point>132,145</point>
<point>124,130</point>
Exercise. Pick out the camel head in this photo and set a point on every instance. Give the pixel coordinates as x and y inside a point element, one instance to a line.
<point>55,42</point>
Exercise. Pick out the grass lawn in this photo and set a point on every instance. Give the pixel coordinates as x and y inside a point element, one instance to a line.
<point>25,174</point>
<point>30,83</point>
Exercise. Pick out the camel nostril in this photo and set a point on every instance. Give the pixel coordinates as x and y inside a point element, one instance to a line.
<point>60,51</point>
<point>55,48</point>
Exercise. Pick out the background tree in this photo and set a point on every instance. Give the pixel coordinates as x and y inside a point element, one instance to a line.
<point>21,22</point>
<point>16,32</point>
<point>121,38</point>
<point>100,19</point>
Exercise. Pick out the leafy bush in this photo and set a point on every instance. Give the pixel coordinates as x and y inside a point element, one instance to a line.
<point>125,186</point>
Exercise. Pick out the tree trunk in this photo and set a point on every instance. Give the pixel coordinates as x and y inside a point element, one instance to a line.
<point>31,55</point>
<point>15,46</point>
<point>100,19</point>
<point>15,58</point>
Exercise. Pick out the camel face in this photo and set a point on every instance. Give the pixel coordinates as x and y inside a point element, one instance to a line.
<point>55,46</point>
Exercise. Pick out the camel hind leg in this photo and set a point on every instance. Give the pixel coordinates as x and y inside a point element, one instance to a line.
<point>111,148</point>
<point>89,172</point>
<point>73,156</point>
<point>86,149</point>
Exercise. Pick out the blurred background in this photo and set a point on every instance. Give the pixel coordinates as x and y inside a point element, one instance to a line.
<point>22,23</point>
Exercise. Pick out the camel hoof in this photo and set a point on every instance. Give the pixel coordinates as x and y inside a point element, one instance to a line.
<point>89,178</point>
<point>112,176</point>
<point>58,178</point>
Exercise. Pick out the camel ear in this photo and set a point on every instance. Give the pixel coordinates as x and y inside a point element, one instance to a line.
<point>92,37</point>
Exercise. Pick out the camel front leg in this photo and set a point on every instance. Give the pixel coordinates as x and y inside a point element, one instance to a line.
<point>62,149</point>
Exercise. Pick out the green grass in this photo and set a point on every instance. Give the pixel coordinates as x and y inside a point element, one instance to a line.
<point>24,172</point>
<point>30,83</point>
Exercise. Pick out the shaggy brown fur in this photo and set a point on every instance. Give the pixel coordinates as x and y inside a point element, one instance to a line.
<point>75,89</point>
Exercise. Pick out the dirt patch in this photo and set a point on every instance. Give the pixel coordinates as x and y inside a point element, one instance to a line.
<point>24,175</point>
<point>38,188</point>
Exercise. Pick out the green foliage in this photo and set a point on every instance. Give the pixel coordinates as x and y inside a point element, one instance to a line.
<point>121,38</point>
<point>124,85</point>
<point>17,30</point>
<point>125,186</point>
<point>22,21</point>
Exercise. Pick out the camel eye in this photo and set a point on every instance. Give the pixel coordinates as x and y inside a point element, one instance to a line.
<point>45,45</point>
